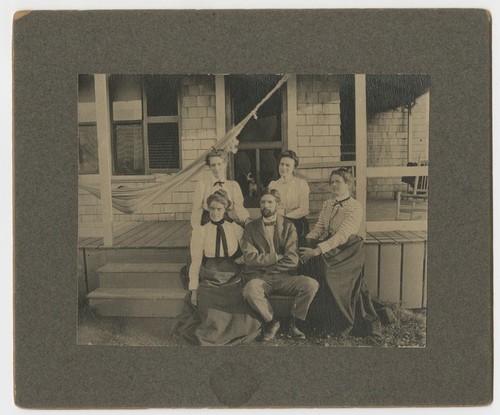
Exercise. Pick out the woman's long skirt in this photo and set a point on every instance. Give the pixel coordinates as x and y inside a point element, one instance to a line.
<point>222,316</point>
<point>302,226</point>
<point>343,303</point>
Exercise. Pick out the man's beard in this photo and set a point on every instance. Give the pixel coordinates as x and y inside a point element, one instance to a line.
<point>267,213</point>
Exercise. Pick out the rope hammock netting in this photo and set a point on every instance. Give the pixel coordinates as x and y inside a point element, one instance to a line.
<point>131,200</point>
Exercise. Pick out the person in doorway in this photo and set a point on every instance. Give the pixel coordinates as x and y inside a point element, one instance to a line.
<point>294,193</point>
<point>270,252</point>
<point>219,316</point>
<point>217,160</point>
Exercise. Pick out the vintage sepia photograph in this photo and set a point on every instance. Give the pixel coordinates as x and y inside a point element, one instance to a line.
<point>253,209</point>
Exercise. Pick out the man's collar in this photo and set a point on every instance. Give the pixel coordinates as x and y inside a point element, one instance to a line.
<point>343,197</point>
<point>271,219</point>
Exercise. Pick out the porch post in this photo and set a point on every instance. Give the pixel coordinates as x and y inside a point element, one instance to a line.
<point>220,106</point>
<point>426,98</point>
<point>291,106</point>
<point>103,122</point>
<point>361,144</point>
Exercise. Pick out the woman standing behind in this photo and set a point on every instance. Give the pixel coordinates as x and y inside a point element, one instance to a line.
<point>217,161</point>
<point>221,316</point>
<point>294,193</point>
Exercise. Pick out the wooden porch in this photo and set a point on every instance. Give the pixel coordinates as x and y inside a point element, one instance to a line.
<point>177,234</point>
<point>395,266</point>
<point>168,234</point>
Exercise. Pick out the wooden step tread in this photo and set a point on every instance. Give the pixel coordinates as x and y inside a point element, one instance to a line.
<point>138,293</point>
<point>138,267</point>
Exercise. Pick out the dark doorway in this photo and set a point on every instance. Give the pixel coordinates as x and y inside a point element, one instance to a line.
<point>261,141</point>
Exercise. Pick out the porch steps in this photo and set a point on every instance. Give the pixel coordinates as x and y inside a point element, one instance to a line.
<point>137,302</point>
<point>140,275</point>
<point>149,289</point>
<point>139,289</point>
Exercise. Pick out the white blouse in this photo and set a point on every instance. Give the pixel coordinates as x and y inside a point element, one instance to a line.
<point>339,219</point>
<point>207,186</point>
<point>294,192</point>
<point>203,241</point>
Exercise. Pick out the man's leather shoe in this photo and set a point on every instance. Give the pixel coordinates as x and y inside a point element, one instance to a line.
<point>294,331</point>
<point>271,331</point>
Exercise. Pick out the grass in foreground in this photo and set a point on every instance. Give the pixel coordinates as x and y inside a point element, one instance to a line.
<point>409,330</point>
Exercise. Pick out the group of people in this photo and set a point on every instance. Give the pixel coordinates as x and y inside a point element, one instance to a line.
<point>238,264</point>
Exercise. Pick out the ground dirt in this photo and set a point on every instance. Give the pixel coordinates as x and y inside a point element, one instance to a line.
<point>409,330</point>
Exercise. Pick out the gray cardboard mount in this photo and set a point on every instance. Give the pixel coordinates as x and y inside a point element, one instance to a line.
<point>51,48</point>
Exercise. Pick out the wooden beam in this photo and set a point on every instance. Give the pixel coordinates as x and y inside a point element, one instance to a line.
<point>103,121</point>
<point>86,112</point>
<point>397,171</point>
<point>409,137</point>
<point>327,165</point>
<point>396,225</point>
<point>361,143</point>
<point>220,106</point>
<point>291,108</point>
<point>90,229</point>
<point>427,97</point>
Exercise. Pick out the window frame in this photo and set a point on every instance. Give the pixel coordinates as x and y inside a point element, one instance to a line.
<point>257,145</point>
<point>87,124</point>
<point>160,119</point>
<point>144,122</point>
<point>114,148</point>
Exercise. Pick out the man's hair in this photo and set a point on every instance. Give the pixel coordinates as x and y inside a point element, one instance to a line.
<point>272,192</point>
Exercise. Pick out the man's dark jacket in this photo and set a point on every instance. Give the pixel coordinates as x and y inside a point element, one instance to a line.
<point>257,248</point>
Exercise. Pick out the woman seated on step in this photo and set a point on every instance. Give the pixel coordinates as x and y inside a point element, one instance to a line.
<point>335,258</point>
<point>221,316</point>
<point>294,193</point>
<point>217,161</point>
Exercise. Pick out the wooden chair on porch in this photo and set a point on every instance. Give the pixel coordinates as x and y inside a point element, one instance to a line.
<point>415,199</point>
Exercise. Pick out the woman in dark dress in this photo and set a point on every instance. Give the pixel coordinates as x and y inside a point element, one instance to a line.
<point>335,258</point>
<point>219,315</point>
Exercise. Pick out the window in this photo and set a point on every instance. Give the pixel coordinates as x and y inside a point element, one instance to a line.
<point>145,122</point>
<point>88,159</point>
<point>161,122</point>
<point>87,129</point>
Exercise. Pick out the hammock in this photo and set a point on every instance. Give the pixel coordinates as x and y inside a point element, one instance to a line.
<point>131,200</point>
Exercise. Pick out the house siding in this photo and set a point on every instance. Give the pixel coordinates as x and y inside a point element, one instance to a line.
<point>198,133</point>
<point>395,140</point>
<point>318,123</point>
<point>318,129</point>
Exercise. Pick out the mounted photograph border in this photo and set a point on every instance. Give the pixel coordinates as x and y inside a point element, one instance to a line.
<point>51,370</point>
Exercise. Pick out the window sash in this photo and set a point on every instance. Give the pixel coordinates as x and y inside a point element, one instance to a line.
<point>160,119</point>
<point>128,157</point>
<point>87,144</point>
